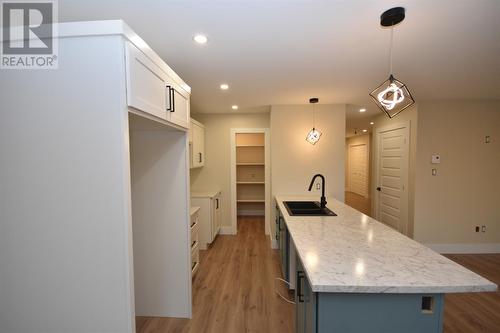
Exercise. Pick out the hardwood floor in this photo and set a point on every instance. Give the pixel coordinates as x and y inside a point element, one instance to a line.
<point>474,312</point>
<point>233,290</point>
<point>358,202</point>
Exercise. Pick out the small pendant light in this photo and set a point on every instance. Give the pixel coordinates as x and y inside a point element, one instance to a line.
<point>313,135</point>
<point>392,96</point>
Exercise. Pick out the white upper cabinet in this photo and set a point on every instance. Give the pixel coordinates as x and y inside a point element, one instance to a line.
<point>150,89</point>
<point>177,104</point>
<point>197,144</point>
<point>146,84</point>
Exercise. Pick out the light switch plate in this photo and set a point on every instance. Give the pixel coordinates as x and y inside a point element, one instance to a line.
<point>434,172</point>
<point>436,159</point>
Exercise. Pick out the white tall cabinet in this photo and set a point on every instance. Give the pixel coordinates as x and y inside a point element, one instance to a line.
<point>94,194</point>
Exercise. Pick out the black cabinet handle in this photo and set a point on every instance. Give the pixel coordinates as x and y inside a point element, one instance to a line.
<point>200,159</point>
<point>173,100</point>
<point>300,276</point>
<point>379,189</point>
<point>217,203</point>
<point>169,107</point>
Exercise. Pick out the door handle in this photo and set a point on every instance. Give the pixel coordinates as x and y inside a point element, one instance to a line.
<point>200,158</point>
<point>379,189</point>
<point>300,276</point>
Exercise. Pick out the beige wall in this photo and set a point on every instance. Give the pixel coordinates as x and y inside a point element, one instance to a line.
<point>382,120</point>
<point>294,161</point>
<point>216,174</point>
<point>357,140</point>
<point>466,190</point>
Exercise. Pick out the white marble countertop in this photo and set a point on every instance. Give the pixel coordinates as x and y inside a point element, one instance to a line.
<point>353,253</point>
<point>207,194</point>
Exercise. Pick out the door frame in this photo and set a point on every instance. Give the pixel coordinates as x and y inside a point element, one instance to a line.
<point>267,174</point>
<point>367,167</point>
<point>376,163</point>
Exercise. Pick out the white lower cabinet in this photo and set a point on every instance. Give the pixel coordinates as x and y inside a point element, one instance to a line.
<point>195,241</point>
<point>209,216</point>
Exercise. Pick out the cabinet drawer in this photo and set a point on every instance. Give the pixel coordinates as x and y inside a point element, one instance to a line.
<point>195,258</point>
<point>195,226</point>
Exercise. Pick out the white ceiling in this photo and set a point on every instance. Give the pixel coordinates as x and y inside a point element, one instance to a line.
<point>285,51</point>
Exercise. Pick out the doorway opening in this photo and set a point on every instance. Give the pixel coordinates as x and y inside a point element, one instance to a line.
<point>250,186</point>
<point>357,191</point>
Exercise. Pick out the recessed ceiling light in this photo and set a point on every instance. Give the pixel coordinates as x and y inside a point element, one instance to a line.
<point>224,86</point>
<point>371,123</point>
<point>234,107</point>
<point>200,39</point>
<point>362,110</point>
<point>364,131</point>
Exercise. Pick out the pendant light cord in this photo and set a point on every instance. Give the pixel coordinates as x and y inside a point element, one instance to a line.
<point>390,50</point>
<point>314,120</point>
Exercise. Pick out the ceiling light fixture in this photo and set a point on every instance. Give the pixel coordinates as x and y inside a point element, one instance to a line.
<point>224,86</point>
<point>313,135</point>
<point>364,131</point>
<point>362,110</point>
<point>234,107</point>
<point>200,39</point>
<point>371,123</point>
<point>392,96</point>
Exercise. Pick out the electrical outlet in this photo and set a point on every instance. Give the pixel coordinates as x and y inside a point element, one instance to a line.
<point>318,186</point>
<point>487,139</point>
<point>477,228</point>
<point>483,228</point>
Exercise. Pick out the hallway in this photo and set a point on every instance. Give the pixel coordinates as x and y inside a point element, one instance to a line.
<point>358,202</point>
<point>233,290</point>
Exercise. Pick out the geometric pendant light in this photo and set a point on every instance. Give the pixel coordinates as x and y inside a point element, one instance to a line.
<point>313,135</point>
<point>392,96</point>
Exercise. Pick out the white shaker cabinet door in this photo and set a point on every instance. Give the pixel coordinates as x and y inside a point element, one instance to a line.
<point>198,145</point>
<point>146,85</point>
<point>178,105</point>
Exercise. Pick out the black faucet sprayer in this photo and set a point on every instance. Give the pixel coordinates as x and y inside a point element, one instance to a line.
<point>323,198</point>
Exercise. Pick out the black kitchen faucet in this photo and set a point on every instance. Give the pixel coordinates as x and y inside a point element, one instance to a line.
<point>323,198</point>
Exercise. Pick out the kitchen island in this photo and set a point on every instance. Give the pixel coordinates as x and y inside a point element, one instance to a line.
<point>355,274</point>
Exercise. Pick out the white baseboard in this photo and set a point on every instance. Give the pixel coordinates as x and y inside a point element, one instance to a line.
<point>465,248</point>
<point>251,213</point>
<point>274,242</point>
<point>226,231</point>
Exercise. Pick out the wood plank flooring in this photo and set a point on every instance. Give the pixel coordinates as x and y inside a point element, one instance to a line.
<point>474,312</point>
<point>233,291</point>
<point>358,202</point>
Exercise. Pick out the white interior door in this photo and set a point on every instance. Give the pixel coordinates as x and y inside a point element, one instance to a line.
<point>391,199</point>
<point>358,169</point>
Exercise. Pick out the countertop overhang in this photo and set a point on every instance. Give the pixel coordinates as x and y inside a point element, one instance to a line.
<point>354,253</point>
